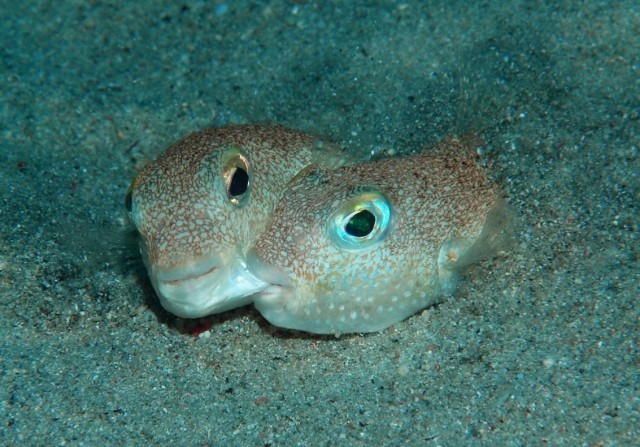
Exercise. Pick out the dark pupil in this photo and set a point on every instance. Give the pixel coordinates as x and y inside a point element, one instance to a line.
<point>361,224</point>
<point>239,182</point>
<point>128,201</point>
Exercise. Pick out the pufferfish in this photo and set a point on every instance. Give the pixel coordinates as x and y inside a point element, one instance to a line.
<point>361,247</point>
<point>202,203</point>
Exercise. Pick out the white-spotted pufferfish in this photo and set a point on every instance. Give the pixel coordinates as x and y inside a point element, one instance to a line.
<point>361,247</point>
<point>204,201</point>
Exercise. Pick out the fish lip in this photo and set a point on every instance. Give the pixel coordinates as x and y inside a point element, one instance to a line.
<point>194,271</point>
<point>206,287</point>
<point>266,272</point>
<point>187,278</point>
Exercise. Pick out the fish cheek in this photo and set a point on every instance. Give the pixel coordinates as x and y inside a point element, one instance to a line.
<point>299,238</point>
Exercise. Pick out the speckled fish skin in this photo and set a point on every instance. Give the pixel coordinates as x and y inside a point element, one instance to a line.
<point>193,238</point>
<point>443,215</point>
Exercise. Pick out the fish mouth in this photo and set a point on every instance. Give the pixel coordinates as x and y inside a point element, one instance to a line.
<point>187,280</point>
<point>276,301</point>
<point>206,287</point>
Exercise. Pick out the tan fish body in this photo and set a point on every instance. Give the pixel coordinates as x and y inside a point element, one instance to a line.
<point>201,204</point>
<point>361,247</point>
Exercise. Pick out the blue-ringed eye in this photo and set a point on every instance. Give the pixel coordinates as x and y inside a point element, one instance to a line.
<point>361,222</point>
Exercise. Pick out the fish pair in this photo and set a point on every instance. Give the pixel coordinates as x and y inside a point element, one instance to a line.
<point>278,218</point>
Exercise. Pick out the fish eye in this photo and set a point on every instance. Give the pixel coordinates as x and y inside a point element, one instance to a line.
<point>362,221</point>
<point>128,200</point>
<point>236,178</point>
<point>360,224</point>
<point>239,182</point>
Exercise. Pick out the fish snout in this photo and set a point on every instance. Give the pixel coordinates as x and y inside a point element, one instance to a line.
<point>204,287</point>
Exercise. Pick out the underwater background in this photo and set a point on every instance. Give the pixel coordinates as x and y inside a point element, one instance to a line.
<point>539,346</point>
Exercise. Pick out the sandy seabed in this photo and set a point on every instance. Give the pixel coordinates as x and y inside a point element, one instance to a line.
<point>539,346</point>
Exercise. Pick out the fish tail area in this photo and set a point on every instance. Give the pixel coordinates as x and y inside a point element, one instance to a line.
<point>496,235</point>
<point>456,254</point>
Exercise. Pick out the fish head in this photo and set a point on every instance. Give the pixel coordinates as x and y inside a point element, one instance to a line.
<point>201,204</point>
<point>359,248</point>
